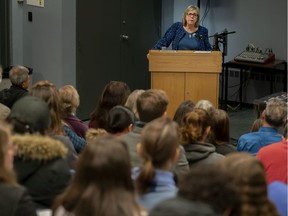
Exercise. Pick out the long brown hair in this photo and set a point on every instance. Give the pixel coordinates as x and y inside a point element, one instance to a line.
<point>114,93</point>
<point>102,184</point>
<point>7,176</point>
<point>220,133</point>
<point>48,92</point>
<point>159,141</point>
<point>248,174</point>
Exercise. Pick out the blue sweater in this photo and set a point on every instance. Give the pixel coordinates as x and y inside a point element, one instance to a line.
<point>163,187</point>
<point>176,32</point>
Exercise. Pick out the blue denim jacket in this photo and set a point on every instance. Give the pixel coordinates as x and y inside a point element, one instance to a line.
<point>252,142</point>
<point>176,32</point>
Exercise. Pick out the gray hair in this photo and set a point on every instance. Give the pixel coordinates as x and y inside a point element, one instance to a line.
<point>276,112</point>
<point>206,105</point>
<point>18,74</point>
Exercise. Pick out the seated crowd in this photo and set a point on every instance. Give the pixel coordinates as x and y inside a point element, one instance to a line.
<point>131,159</point>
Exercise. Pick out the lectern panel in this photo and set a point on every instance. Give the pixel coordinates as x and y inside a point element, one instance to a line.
<point>172,84</point>
<point>202,86</point>
<point>186,75</point>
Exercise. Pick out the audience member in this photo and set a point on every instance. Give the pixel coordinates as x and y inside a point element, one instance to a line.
<point>14,199</point>
<point>151,104</point>
<point>102,184</point>
<point>274,159</point>
<point>40,162</point>
<point>212,186</point>
<point>178,206</point>
<point>19,77</point>
<point>220,132</point>
<point>185,107</point>
<point>194,135</point>
<point>120,120</point>
<point>131,101</point>
<point>248,175</point>
<point>206,105</point>
<point>4,110</point>
<point>114,93</point>
<point>273,117</point>
<point>69,102</point>
<point>48,92</point>
<point>93,134</point>
<point>159,147</point>
<point>278,194</point>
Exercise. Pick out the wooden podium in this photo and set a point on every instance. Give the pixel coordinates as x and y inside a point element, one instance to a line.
<point>186,75</point>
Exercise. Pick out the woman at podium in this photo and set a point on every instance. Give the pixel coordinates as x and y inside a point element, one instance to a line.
<point>186,35</point>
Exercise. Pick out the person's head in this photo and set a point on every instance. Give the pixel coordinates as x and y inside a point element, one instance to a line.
<point>114,93</point>
<point>191,11</point>
<point>19,76</point>
<point>7,152</point>
<point>248,175</point>
<point>275,113</point>
<point>152,104</point>
<point>120,120</point>
<point>196,126</point>
<point>159,147</point>
<point>105,162</point>
<point>48,92</point>
<point>207,184</point>
<point>69,99</point>
<point>185,107</point>
<point>219,133</point>
<point>206,105</point>
<point>256,125</point>
<point>102,183</point>
<point>131,101</point>
<point>94,133</point>
<point>30,114</point>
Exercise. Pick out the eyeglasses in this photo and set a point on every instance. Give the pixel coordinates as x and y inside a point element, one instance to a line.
<point>192,14</point>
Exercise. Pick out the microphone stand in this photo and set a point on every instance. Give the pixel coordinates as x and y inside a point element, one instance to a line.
<point>222,38</point>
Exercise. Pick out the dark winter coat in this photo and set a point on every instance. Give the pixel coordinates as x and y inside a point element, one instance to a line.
<point>41,167</point>
<point>15,201</point>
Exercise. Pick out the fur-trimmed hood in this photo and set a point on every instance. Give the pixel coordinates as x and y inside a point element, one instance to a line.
<point>38,147</point>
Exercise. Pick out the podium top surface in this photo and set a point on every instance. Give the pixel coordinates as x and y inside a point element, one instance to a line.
<point>185,61</point>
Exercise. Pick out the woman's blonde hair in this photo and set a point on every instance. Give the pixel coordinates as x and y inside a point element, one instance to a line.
<point>69,98</point>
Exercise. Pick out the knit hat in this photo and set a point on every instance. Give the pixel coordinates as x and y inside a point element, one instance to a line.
<point>31,113</point>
